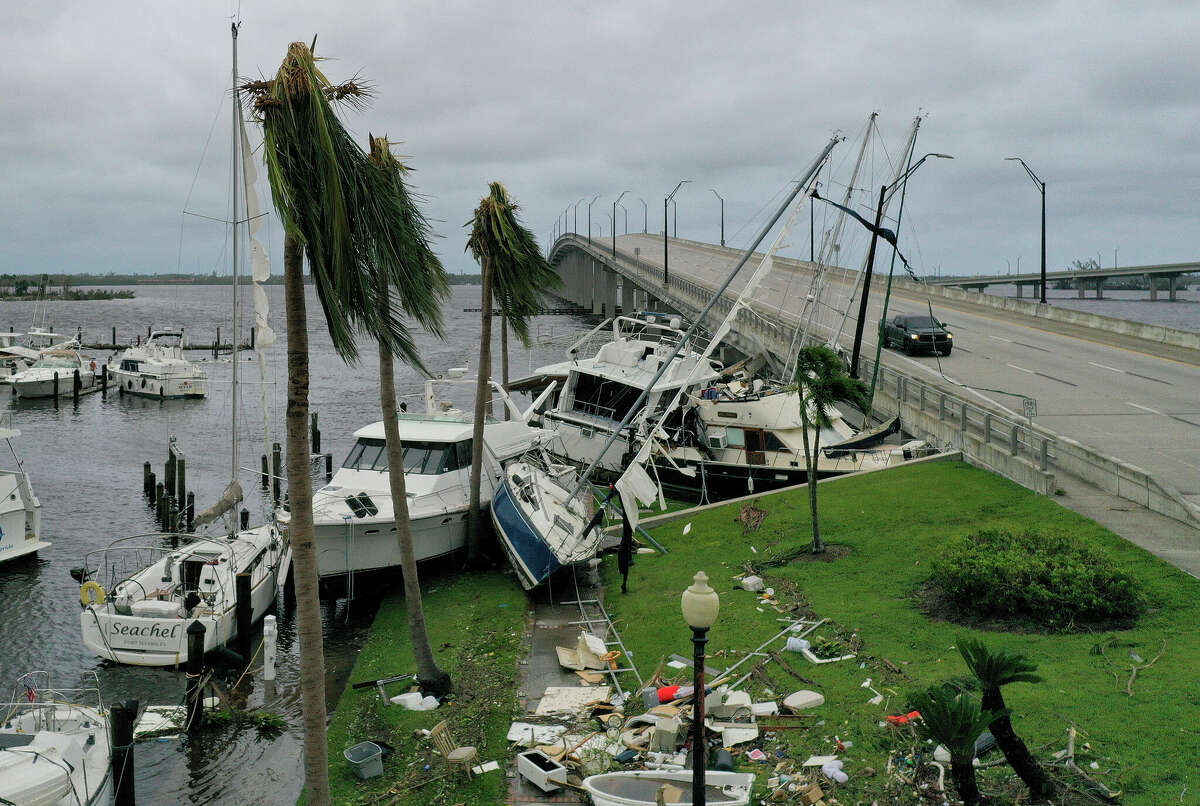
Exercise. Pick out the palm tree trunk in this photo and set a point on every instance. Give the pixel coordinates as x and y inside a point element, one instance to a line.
<point>504,359</point>
<point>474,535</point>
<point>1017,754</point>
<point>810,465</point>
<point>430,676</point>
<point>300,529</point>
<point>963,774</point>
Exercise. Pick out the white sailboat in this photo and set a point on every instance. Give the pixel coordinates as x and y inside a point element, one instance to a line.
<point>20,509</point>
<point>541,512</point>
<point>148,589</point>
<point>54,745</point>
<point>159,369</point>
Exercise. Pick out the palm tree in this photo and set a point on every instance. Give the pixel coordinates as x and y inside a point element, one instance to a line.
<point>423,302</point>
<point>338,210</point>
<point>955,720</point>
<point>821,378</point>
<point>514,272</point>
<point>993,669</point>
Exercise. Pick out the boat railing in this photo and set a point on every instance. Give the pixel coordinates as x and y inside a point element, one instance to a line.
<point>33,693</point>
<point>119,563</point>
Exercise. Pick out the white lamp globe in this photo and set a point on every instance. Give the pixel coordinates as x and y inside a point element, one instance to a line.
<point>700,603</point>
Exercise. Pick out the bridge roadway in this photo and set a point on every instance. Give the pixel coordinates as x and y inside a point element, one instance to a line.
<point>1171,272</point>
<point>1114,395</point>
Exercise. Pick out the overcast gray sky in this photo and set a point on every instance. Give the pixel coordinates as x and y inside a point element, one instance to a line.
<point>108,108</point>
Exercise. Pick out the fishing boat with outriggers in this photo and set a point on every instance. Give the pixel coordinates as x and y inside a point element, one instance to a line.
<point>141,593</point>
<point>545,513</point>
<point>54,745</point>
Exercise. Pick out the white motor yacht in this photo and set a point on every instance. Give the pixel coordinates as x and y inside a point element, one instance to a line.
<point>53,373</point>
<point>354,521</point>
<point>140,594</point>
<point>54,745</point>
<point>20,510</point>
<point>14,356</point>
<point>598,392</point>
<point>158,369</point>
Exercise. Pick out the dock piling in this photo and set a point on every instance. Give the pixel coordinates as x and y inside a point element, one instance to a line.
<point>160,501</point>
<point>104,381</point>
<point>244,519</point>
<point>56,390</point>
<point>76,384</point>
<point>276,470</point>
<point>244,612</point>
<point>180,480</point>
<point>195,670</point>
<point>217,343</point>
<point>328,466</point>
<point>270,636</point>
<point>147,481</point>
<point>266,472</point>
<point>123,715</point>
<point>315,434</point>
<point>191,512</point>
<point>169,472</point>
<point>114,336</point>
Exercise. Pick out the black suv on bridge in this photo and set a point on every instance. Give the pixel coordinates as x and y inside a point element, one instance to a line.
<point>915,334</point>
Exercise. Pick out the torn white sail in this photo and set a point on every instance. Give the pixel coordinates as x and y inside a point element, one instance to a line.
<point>260,264</point>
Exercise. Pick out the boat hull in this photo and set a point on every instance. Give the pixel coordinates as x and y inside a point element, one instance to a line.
<point>16,540</point>
<point>44,387</point>
<point>162,388</point>
<point>371,545</point>
<point>528,553</point>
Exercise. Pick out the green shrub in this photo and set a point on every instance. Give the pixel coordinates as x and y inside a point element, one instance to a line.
<point>1051,581</point>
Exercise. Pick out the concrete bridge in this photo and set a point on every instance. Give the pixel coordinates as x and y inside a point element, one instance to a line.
<point>1116,409</point>
<point>1155,275</point>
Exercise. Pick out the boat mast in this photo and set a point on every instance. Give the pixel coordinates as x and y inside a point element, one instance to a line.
<point>237,115</point>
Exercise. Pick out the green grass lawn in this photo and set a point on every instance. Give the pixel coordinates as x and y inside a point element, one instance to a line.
<point>475,627</point>
<point>892,525</point>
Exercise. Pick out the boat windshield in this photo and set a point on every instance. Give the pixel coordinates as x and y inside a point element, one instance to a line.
<point>55,362</point>
<point>421,458</point>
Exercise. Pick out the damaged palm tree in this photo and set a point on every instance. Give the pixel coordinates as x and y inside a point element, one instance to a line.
<point>340,211</point>
<point>822,380</point>
<point>994,669</point>
<point>421,296</point>
<point>954,720</point>
<point>515,274</point>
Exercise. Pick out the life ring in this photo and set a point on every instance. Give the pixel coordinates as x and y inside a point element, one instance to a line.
<point>91,592</point>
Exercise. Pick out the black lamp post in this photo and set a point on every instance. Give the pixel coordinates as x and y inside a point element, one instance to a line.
<point>718,195</point>
<point>626,211</point>
<point>645,216</point>
<point>1041,186</point>
<point>884,193</point>
<point>667,201</point>
<point>700,605</point>
<point>614,221</point>
<point>593,201</point>
<point>575,226</point>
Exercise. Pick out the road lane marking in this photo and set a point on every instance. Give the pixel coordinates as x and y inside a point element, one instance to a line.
<point>1148,378</point>
<point>1022,369</point>
<point>1143,408</point>
<point>1000,338</point>
<point>1182,420</point>
<point>1106,366</point>
<point>1053,378</point>
<point>1032,346</point>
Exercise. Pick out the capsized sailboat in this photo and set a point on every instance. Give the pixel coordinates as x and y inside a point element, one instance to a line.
<point>540,512</point>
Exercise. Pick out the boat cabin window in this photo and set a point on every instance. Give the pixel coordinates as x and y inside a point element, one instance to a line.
<point>129,366</point>
<point>55,362</point>
<point>423,458</point>
<point>600,397</point>
<point>774,443</point>
<point>735,437</point>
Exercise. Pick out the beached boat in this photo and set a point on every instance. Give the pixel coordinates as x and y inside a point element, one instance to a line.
<point>641,787</point>
<point>20,510</point>
<point>158,369</point>
<point>54,373</point>
<point>54,745</point>
<point>353,518</point>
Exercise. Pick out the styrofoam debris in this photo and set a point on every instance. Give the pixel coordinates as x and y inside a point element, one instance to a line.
<point>818,761</point>
<point>764,708</point>
<point>528,735</point>
<point>487,766</point>
<point>754,584</point>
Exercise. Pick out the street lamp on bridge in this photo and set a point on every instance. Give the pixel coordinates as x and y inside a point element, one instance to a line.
<point>593,201</point>
<point>575,226</point>
<point>666,202</point>
<point>718,195</point>
<point>645,216</point>
<point>614,221</point>
<point>1041,186</point>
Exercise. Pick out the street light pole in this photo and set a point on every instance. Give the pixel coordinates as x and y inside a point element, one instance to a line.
<point>575,226</point>
<point>645,216</point>
<point>593,201</point>
<point>1041,186</point>
<point>626,209</point>
<point>700,605</point>
<point>718,195</point>
<point>616,201</point>
<point>666,202</point>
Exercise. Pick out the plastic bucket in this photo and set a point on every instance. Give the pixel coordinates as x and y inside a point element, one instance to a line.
<point>366,759</point>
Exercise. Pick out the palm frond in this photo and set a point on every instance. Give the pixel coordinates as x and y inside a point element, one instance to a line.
<point>954,720</point>
<point>351,214</point>
<point>822,380</point>
<point>995,668</point>
<point>519,271</point>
